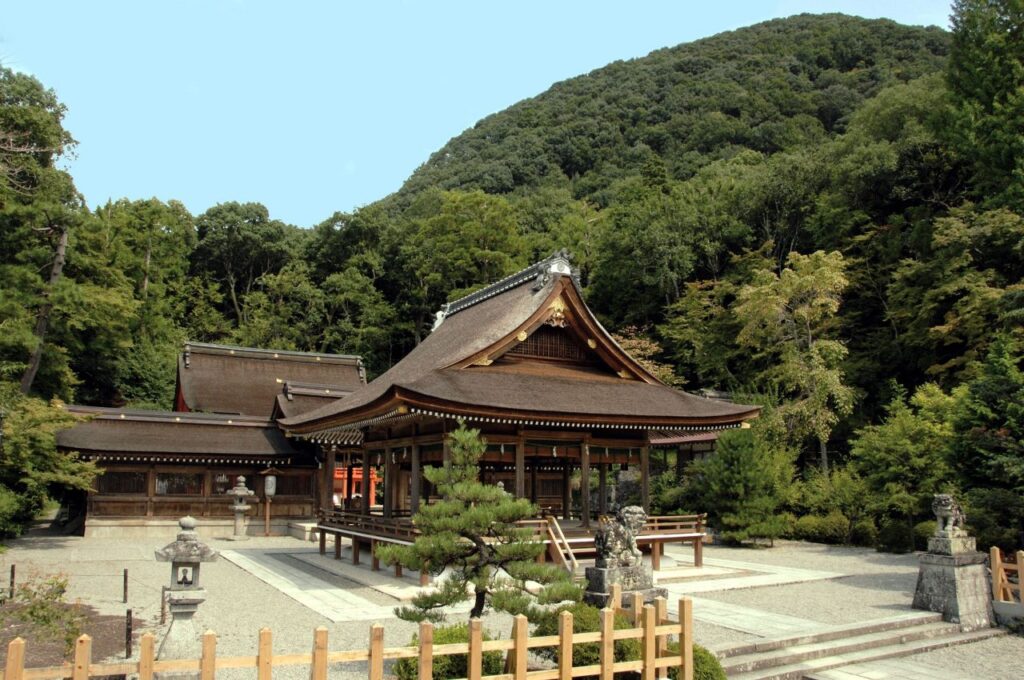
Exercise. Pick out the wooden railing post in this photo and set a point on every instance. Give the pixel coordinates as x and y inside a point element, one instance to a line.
<point>564,646</point>
<point>376,661</point>
<point>426,650</point>
<point>15,666</point>
<point>996,562</point>
<point>686,638</point>
<point>520,631</point>
<point>318,662</point>
<point>615,601</point>
<point>265,655</point>
<point>147,647</point>
<point>208,661</point>
<point>607,654</point>
<point>474,665</point>
<point>83,658</point>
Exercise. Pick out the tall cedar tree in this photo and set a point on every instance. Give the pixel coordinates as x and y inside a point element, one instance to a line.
<point>472,532</point>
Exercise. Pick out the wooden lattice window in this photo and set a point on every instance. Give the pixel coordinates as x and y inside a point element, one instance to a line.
<point>548,342</point>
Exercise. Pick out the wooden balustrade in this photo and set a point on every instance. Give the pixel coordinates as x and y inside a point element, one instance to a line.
<point>651,626</point>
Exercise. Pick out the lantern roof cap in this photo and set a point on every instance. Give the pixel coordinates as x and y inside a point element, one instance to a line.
<point>187,547</point>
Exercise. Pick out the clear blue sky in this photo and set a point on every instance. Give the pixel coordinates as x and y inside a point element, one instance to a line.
<point>314,106</point>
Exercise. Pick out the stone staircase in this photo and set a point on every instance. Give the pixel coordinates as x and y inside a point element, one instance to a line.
<point>800,656</point>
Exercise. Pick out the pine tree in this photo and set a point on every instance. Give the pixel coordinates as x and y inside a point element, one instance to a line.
<point>473,533</point>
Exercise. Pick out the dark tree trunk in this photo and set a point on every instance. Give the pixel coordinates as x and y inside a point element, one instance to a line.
<point>823,454</point>
<point>478,605</point>
<point>43,318</point>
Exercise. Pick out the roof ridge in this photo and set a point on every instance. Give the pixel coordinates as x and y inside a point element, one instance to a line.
<point>558,263</point>
<point>191,346</point>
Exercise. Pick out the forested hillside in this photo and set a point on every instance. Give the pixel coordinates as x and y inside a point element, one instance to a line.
<point>823,213</point>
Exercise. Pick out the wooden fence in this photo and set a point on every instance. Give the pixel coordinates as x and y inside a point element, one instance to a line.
<point>651,626</point>
<point>1007,577</point>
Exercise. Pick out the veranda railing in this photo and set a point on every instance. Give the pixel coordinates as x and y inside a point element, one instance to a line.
<point>650,625</point>
<point>1007,577</point>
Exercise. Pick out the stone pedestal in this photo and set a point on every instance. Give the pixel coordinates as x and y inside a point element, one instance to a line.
<point>634,578</point>
<point>182,637</point>
<point>953,581</point>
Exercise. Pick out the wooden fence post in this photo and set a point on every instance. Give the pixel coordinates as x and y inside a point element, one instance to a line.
<point>376,652</point>
<point>637,607</point>
<point>208,660</point>
<point>686,638</point>
<point>564,646</point>
<point>520,631</point>
<point>650,650</point>
<point>318,664</point>
<point>615,601</point>
<point>265,655</point>
<point>660,617</point>
<point>147,647</point>
<point>426,650</point>
<point>83,658</point>
<point>1020,577</point>
<point>474,665</point>
<point>124,599</point>
<point>996,562</point>
<point>607,643</point>
<point>15,667</point>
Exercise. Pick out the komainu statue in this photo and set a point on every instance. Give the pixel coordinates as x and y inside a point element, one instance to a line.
<point>948,515</point>
<point>615,537</point>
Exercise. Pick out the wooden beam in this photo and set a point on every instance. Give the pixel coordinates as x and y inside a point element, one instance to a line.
<point>389,483</point>
<point>566,491</point>
<point>327,484</point>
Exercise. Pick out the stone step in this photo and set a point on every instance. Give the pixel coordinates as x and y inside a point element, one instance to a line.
<point>826,633</point>
<point>797,653</point>
<point>807,668</point>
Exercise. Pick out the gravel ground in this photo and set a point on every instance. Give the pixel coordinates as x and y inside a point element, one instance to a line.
<point>239,604</point>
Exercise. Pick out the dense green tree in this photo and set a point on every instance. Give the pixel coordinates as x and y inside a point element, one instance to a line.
<point>790,317</point>
<point>904,459</point>
<point>31,468</point>
<point>472,532</point>
<point>986,78</point>
<point>239,243</point>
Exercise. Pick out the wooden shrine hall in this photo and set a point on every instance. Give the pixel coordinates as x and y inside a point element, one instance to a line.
<point>557,399</point>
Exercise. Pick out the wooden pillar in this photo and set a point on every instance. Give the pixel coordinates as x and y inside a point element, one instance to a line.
<point>602,488</point>
<point>446,451</point>
<point>533,481</point>
<point>566,491</point>
<point>645,477</point>
<point>417,481</point>
<point>366,482</point>
<point>585,482</point>
<point>520,468</point>
<point>389,483</point>
<point>327,487</point>
<point>350,482</point>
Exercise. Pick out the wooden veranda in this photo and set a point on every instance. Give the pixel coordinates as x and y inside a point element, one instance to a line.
<point>565,542</point>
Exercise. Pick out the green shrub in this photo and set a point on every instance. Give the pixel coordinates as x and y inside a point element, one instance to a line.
<point>895,536</point>
<point>922,532</point>
<point>832,528</point>
<point>705,665</point>
<point>864,533</point>
<point>39,610</point>
<point>451,665</point>
<point>586,619</point>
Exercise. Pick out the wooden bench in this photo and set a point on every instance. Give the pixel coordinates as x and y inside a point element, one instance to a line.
<point>371,529</point>
<point>660,530</point>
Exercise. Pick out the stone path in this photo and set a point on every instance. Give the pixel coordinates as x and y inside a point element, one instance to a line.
<point>745,619</point>
<point>753,575</point>
<point>334,601</point>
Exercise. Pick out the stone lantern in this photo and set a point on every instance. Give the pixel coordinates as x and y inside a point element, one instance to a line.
<point>184,595</point>
<point>240,507</point>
